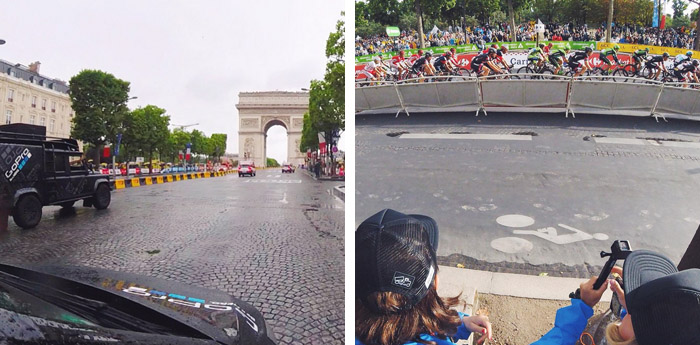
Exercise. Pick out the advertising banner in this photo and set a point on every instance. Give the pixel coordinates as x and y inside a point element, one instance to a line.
<point>392,31</point>
<point>654,50</point>
<point>473,48</point>
<point>655,22</point>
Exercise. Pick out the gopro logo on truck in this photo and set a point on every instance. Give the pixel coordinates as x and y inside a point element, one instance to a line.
<point>18,164</point>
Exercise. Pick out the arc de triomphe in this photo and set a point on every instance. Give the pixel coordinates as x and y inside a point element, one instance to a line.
<point>258,111</point>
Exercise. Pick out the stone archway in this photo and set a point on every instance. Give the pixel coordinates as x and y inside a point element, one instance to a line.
<point>258,111</point>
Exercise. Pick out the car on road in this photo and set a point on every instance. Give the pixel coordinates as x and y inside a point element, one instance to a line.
<point>246,169</point>
<point>40,171</point>
<point>80,305</point>
<point>287,168</point>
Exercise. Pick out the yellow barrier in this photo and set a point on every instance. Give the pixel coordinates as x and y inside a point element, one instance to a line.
<point>184,176</point>
<point>135,182</point>
<point>148,181</point>
<point>169,178</point>
<point>655,50</point>
<point>177,177</point>
<point>159,179</point>
<point>119,184</point>
<point>207,175</point>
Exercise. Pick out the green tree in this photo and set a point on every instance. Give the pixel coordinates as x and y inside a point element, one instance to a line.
<point>679,6</point>
<point>309,138</point>
<point>384,12</point>
<point>218,141</point>
<point>271,162</point>
<point>148,129</point>
<point>99,101</point>
<point>178,140</point>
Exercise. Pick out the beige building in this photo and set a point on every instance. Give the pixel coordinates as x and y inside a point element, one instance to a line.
<point>258,111</point>
<point>29,97</point>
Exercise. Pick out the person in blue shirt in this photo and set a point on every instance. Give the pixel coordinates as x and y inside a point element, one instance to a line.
<point>660,306</point>
<point>396,300</point>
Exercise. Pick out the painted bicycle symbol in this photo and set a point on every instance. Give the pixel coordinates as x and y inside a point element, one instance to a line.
<point>513,245</point>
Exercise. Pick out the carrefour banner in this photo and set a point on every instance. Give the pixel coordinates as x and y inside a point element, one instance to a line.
<point>656,50</point>
<point>473,48</point>
<point>656,14</point>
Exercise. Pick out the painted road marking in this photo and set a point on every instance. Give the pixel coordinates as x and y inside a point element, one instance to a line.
<point>623,141</point>
<point>515,220</point>
<point>512,245</point>
<point>273,181</point>
<point>681,144</point>
<point>551,234</point>
<point>284,199</point>
<point>466,136</point>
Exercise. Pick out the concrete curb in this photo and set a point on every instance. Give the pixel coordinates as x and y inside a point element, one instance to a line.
<point>452,281</point>
<point>339,192</point>
<point>133,182</point>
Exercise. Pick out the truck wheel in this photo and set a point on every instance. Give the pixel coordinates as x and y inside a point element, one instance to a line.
<point>27,212</point>
<point>67,204</point>
<point>102,197</point>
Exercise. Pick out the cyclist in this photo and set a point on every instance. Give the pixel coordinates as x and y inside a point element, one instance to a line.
<point>686,69</point>
<point>556,57</point>
<point>639,56</point>
<point>583,58</point>
<point>399,61</point>
<point>651,64</point>
<point>485,59</point>
<point>536,55</point>
<point>548,48</point>
<point>612,52</point>
<point>441,64</point>
<point>453,60</point>
<point>372,69</point>
<point>422,65</point>
<point>501,60</point>
<point>415,57</point>
<point>682,58</point>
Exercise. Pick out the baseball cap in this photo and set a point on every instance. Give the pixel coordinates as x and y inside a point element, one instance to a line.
<point>396,252</point>
<point>664,303</point>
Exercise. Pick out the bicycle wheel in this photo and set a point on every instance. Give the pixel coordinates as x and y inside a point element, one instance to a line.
<point>547,74</point>
<point>619,75</point>
<point>522,70</point>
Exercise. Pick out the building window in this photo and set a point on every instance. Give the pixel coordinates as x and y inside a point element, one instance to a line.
<point>32,119</point>
<point>53,107</point>
<point>42,121</point>
<point>8,117</point>
<point>33,101</point>
<point>12,73</point>
<point>52,125</point>
<point>43,104</point>
<point>10,95</point>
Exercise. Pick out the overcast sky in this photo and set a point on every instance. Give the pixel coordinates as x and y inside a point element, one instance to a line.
<point>190,57</point>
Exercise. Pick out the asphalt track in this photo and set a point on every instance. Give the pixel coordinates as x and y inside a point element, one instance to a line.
<point>532,193</point>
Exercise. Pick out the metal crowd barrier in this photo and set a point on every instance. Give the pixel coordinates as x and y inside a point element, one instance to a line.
<point>532,92</point>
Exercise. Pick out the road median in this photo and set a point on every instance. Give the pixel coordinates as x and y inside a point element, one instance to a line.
<point>132,182</point>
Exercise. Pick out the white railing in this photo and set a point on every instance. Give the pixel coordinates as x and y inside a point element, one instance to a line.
<point>531,92</point>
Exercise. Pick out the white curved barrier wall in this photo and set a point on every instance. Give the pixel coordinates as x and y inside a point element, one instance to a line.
<point>585,94</point>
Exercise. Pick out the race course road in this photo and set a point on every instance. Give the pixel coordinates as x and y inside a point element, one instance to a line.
<point>274,240</point>
<point>534,193</point>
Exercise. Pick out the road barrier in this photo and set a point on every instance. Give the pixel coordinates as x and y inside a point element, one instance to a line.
<point>166,178</point>
<point>531,92</point>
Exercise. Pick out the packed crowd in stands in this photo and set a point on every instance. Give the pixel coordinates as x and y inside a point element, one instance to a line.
<point>482,35</point>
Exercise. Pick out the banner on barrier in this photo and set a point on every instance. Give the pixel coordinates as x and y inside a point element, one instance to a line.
<point>577,45</point>
<point>655,50</point>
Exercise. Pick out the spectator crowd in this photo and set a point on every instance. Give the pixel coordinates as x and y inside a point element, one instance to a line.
<point>486,34</point>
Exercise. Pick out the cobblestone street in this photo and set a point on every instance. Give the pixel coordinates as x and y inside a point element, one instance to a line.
<point>274,240</point>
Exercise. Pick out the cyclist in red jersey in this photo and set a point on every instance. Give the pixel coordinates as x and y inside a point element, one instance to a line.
<point>399,61</point>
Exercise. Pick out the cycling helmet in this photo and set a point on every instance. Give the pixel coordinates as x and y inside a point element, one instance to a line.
<point>420,52</point>
<point>666,55</point>
<point>377,58</point>
<point>428,54</point>
<point>646,50</point>
<point>689,53</point>
<point>589,50</point>
<point>504,48</point>
<point>616,47</point>
<point>492,51</point>
<point>541,45</point>
<point>448,54</point>
<point>453,50</point>
<point>550,45</point>
<point>695,63</point>
<point>495,46</point>
<point>401,52</point>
